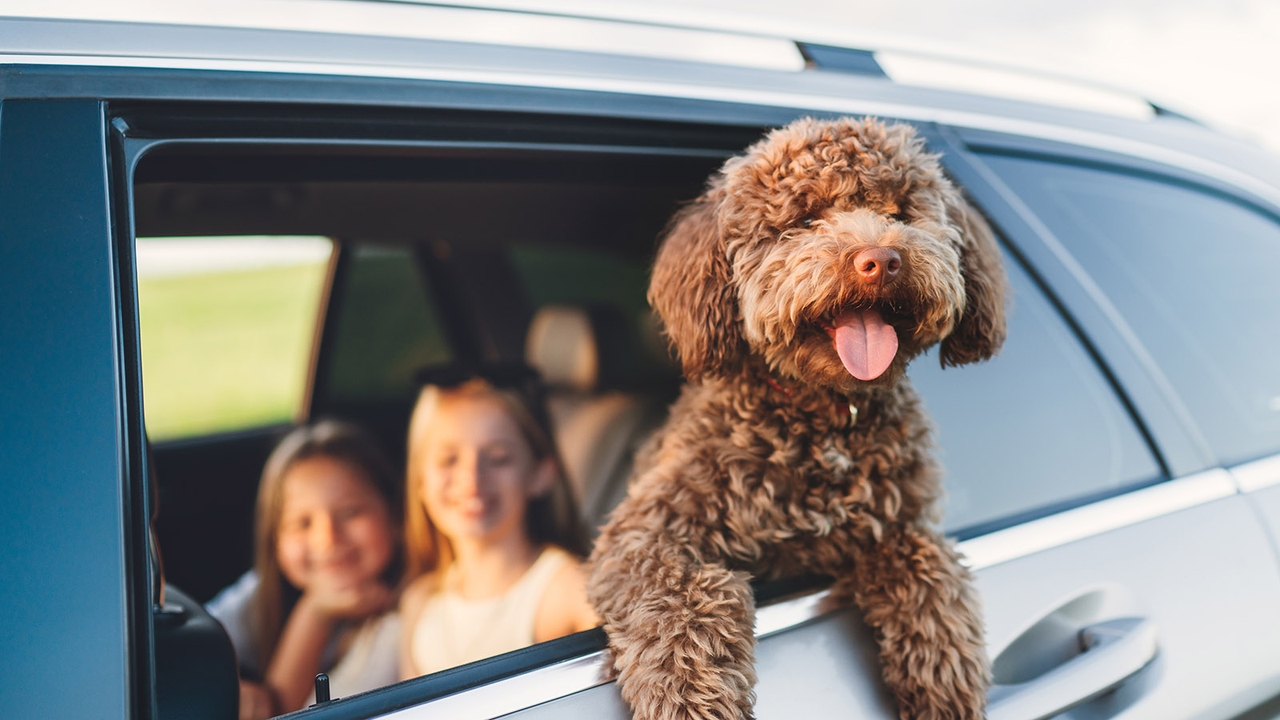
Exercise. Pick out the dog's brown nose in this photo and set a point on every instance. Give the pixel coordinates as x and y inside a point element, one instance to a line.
<point>877,265</point>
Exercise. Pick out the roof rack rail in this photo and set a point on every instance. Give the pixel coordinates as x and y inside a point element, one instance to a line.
<point>841,59</point>
<point>1162,111</point>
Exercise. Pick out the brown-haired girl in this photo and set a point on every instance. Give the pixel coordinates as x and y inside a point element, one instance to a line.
<point>327,560</point>
<point>492,537</point>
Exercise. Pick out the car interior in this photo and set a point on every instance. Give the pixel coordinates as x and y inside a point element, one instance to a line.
<point>440,254</point>
<point>495,260</point>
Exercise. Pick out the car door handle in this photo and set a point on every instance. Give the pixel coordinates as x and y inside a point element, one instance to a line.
<point>1111,652</point>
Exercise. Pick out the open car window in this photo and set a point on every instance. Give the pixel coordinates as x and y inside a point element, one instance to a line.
<point>446,254</point>
<point>431,255</point>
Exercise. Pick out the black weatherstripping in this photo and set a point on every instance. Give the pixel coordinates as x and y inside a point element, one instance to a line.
<point>230,121</point>
<point>143,556</point>
<point>449,682</point>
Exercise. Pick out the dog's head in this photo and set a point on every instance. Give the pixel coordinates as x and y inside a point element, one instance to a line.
<point>837,251</point>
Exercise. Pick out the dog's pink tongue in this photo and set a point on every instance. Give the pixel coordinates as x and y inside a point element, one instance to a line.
<point>865,343</point>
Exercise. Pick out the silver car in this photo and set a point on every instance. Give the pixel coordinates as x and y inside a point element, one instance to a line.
<point>459,177</point>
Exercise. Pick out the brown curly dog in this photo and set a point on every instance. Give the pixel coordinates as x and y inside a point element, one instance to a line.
<point>795,290</point>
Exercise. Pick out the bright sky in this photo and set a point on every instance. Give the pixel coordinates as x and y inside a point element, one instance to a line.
<point>1217,60</point>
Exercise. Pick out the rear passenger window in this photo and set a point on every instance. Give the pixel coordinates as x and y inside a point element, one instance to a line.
<point>226,329</point>
<point>1034,430</point>
<point>1195,275</point>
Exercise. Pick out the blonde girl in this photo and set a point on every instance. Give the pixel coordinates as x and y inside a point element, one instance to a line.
<point>327,558</point>
<point>492,536</point>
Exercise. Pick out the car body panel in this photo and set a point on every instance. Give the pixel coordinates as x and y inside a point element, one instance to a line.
<point>1170,570</point>
<point>1259,481</point>
<point>66,620</point>
<point>824,668</point>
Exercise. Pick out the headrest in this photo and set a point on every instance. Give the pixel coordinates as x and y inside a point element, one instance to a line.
<point>562,346</point>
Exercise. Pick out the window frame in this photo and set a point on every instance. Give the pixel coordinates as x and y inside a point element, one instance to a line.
<point>627,124</point>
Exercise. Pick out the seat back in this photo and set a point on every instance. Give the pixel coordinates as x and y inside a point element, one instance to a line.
<point>598,426</point>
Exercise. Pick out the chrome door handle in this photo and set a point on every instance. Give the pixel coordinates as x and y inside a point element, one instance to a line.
<point>1111,652</point>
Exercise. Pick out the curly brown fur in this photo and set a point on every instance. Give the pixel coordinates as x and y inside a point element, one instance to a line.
<point>761,471</point>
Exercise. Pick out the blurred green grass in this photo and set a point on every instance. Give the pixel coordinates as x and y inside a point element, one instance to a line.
<point>226,350</point>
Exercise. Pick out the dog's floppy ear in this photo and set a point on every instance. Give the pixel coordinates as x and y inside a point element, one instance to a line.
<point>692,292</point>
<point>981,329</point>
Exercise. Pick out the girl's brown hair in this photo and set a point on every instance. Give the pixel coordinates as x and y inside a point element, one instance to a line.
<point>549,518</point>
<point>341,441</point>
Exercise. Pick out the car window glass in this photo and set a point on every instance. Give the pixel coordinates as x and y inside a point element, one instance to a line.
<point>1194,275</point>
<point>386,328</point>
<point>1033,430</point>
<point>226,329</point>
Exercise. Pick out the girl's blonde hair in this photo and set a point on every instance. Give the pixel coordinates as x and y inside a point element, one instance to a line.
<point>549,518</point>
<point>340,441</point>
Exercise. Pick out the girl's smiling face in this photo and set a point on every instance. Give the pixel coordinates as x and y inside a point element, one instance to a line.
<point>480,470</point>
<point>334,526</point>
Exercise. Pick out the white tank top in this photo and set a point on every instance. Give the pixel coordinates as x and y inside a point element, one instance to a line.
<point>451,630</point>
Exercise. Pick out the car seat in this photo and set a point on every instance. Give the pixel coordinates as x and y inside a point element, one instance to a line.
<point>600,416</point>
<point>196,674</point>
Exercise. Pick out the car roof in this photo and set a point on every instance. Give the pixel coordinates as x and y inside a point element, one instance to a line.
<point>639,49</point>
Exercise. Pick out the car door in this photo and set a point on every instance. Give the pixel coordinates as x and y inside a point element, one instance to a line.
<point>1158,598</point>
<point>68,607</point>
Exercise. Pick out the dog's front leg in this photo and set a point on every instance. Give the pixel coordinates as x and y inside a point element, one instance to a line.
<point>681,631</point>
<point>913,591</point>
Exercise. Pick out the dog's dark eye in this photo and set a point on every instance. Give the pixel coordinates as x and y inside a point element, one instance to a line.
<point>808,221</point>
